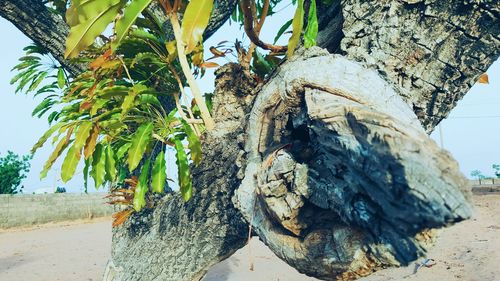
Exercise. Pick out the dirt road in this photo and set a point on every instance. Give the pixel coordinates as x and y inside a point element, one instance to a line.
<point>78,251</point>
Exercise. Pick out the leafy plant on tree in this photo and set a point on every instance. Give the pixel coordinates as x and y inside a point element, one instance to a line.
<point>13,169</point>
<point>111,117</point>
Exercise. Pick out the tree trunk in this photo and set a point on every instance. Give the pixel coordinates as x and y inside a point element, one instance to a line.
<point>329,160</point>
<point>178,240</point>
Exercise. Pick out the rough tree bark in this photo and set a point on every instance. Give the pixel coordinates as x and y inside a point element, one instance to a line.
<point>42,26</point>
<point>190,237</point>
<point>432,50</point>
<point>345,181</point>
<point>331,164</point>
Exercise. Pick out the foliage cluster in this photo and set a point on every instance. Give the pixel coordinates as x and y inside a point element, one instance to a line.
<point>120,116</point>
<point>13,170</point>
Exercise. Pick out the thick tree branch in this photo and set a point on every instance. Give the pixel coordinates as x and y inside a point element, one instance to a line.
<point>341,178</point>
<point>433,50</point>
<point>253,32</point>
<point>45,28</point>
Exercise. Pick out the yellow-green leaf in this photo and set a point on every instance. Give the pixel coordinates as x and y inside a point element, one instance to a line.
<point>61,79</point>
<point>82,134</point>
<point>128,101</point>
<point>110,164</point>
<point>194,22</point>
<point>46,136</point>
<point>297,25</point>
<point>184,174</point>
<point>159,174</point>
<point>70,162</point>
<point>140,141</point>
<point>193,143</point>
<point>312,26</point>
<point>55,154</point>
<point>98,165</point>
<point>91,142</point>
<point>142,187</point>
<point>122,150</point>
<point>130,14</point>
<point>98,104</point>
<point>93,16</point>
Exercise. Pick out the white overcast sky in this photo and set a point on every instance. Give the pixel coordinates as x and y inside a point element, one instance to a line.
<point>471,133</point>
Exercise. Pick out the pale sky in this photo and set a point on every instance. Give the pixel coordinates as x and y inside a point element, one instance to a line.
<point>471,133</point>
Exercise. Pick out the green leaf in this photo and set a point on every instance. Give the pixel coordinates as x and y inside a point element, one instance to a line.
<point>61,79</point>
<point>98,165</point>
<point>98,104</point>
<point>184,174</point>
<point>110,164</point>
<point>53,116</point>
<point>312,26</point>
<point>86,174</point>
<point>159,175</point>
<point>139,142</point>
<point>45,104</point>
<point>142,187</point>
<point>28,77</point>
<point>149,99</point>
<point>282,30</point>
<point>297,25</point>
<point>91,142</point>
<point>19,76</point>
<point>115,91</point>
<point>122,150</point>
<point>122,174</point>
<point>128,101</point>
<point>260,65</point>
<point>70,162</point>
<point>82,134</point>
<point>130,14</point>
<point>93,18</point>
<point>194,22</point>
<point>193,143</point>
<point>147,58</point>
<point>37,80</point>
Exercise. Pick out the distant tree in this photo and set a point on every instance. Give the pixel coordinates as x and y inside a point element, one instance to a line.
<point>496,167</point>
<point>478,175</point>
<point>13,170</point>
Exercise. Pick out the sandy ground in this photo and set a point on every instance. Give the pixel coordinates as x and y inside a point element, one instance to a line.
<point>79,250</point>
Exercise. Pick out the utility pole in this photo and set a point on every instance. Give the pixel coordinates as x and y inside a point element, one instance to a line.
<point>441,136</point>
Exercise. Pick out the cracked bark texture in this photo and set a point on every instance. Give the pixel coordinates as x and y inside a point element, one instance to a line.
<point>433,51</point>
<point>179,241</point>
<point>341,178</point>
